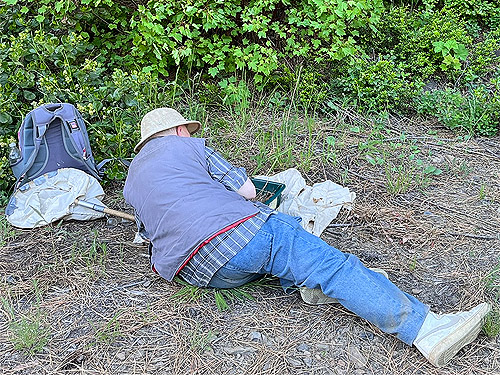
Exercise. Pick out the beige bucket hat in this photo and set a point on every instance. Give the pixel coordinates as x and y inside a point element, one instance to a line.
<point>160,119</point>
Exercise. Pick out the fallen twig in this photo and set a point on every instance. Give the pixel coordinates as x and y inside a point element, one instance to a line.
<point>478,236</point>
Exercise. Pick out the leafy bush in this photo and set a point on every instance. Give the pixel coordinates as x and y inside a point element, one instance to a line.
<point>254,36</point>
<point>484,58</point>
<point>477,112</point>
<point>423,42</point>
<point>486,12</point>
<point>376,86</point>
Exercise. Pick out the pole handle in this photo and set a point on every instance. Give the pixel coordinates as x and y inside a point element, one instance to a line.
<point>106,210</point>
<point>121,214</point>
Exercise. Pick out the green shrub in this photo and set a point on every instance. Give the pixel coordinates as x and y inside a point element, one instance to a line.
<point>254,36</point>
<point>477,111</point>
<point>484,59</point>
<point>486,12</point>
<point>423,42</point>
<point>375,86</point>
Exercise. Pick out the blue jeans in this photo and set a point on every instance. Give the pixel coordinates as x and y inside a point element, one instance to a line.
<point>284,249</point>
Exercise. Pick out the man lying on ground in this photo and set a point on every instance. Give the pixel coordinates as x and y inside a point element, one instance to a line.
<point>197,210</point>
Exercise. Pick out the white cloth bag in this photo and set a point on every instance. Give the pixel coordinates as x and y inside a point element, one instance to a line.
<point>52,196</point>
<point>317,205</point>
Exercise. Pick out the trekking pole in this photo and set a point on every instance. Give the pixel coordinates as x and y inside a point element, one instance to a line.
<point>109,211</point>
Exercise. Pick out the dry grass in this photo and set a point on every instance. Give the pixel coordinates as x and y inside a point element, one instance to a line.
<point>106,313</point>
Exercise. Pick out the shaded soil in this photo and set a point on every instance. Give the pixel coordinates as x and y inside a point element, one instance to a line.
<point>105,312</point>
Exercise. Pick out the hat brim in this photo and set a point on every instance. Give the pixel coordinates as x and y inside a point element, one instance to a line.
<point>192,127</point>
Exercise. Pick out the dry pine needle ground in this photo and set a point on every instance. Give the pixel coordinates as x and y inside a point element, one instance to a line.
<point>79,298</point>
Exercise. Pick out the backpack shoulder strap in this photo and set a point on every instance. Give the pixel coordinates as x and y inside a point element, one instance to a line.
<point>40,120</point>
<point>75,130</point>
<point>69,117</point>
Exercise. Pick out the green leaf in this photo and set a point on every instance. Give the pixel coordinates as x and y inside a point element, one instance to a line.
<point>340,31</point>
<point>213,71</point>
<point>430,169</point>
<point>5,118</point>
<point>24,9</point>
<point>10,2</point>
<point>450,61</point>
<point>461,52</point>
<point>40,18</point>
<point>28,95</point>
<point>130,101</point>
<point>451,44</point>
<point>371,160</point>
<point>442,47</point>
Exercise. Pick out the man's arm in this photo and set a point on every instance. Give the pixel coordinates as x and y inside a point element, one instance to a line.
<point>231,177</point>
<point>247,190</point>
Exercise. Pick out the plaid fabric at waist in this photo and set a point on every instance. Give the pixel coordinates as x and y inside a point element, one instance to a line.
<point>200,269</point>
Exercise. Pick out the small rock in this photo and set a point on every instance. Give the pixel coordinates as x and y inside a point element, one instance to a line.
<point>294,362</point>
<point>193,313</point>
<point>366,335</point>
<point>111,222</point>
<point>11,279</point>
<point>355,356</point>
<point>255,336</point>
<point>147,283</point>
<point>308,361</point>
<point>303,347</point>
<point>416,291</point>
<point>430,85</point>
<point>239,350</point>
<point>121,356</point>
<point>438,159</point>
<point>323,347</point>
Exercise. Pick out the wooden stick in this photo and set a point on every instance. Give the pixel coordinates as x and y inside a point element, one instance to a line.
<point>105,210</point>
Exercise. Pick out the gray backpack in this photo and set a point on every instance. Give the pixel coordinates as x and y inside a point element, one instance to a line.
<point>51,137</point>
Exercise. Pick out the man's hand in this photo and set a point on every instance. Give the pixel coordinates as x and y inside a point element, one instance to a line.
<point>247,190</point>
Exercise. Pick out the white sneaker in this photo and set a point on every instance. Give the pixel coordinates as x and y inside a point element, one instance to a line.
<point>442,336</point>
<point>317,297</point>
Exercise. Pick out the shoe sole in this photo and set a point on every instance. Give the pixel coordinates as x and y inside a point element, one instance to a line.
<point>451,345</point>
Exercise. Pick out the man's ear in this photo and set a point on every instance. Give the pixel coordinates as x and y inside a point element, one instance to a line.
<point>182,131</point>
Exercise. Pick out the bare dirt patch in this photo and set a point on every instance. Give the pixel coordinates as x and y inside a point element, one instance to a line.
<point>104,312</point>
